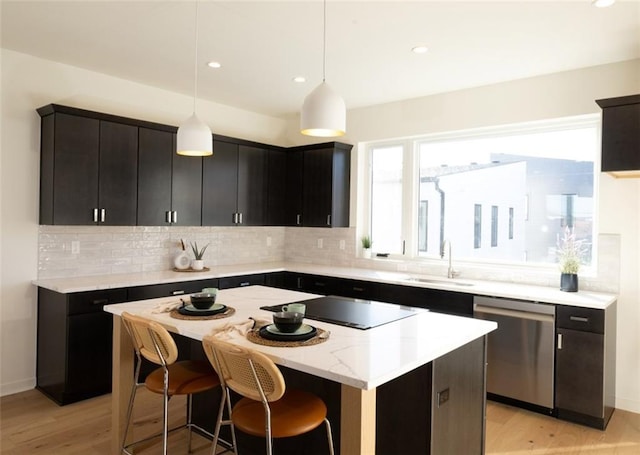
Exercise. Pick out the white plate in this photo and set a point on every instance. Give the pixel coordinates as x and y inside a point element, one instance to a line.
<point>303,330</point>
<point>214,307</point>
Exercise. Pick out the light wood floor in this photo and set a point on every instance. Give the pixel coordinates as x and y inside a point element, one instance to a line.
<point>32,424</point>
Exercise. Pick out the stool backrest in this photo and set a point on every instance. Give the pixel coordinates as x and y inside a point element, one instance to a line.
<point>247,372</point>
<point>150,339</point>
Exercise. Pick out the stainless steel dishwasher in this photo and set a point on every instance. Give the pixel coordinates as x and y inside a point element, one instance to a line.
<point>520,352</point>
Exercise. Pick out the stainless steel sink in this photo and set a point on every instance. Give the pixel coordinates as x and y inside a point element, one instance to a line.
<point>437,281</point>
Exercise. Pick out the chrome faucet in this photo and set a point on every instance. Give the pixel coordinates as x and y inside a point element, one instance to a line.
<point>450,272</point>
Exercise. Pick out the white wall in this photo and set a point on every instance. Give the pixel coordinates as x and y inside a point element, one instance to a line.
<point>546,97</point>
<point>29,83</point>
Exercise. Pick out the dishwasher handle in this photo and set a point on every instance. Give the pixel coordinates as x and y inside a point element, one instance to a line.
<point>513,313</point>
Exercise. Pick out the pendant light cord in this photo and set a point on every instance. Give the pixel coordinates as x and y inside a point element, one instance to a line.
<point>195,64</point>
<point>324,41</point>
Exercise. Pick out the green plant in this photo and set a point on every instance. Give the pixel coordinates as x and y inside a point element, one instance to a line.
<point>198,253</point>
<point>366,242</point>
<point>570,252</point>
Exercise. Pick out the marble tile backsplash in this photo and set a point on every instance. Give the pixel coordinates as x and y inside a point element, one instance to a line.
<point>111,250</point>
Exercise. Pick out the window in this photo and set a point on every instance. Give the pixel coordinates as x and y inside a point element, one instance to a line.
<point>534,178</point>
<point>494,225</point>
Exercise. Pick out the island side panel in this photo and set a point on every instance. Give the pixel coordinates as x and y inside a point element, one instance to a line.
<point>459,401</point>
<point>122,382</point>
<point>357,421</point>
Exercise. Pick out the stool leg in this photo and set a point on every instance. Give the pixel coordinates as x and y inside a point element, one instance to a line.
<point>134,388</point>
<point>189,403</point>
<point>165,412</point>
<point>329,436</point>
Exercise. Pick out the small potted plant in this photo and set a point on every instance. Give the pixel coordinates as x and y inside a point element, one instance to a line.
<point>366,246</point>
<point>198,253</point>
<point>570,252</point>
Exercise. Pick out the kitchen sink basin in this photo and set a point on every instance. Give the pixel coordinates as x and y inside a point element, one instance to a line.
<point>438,281</point>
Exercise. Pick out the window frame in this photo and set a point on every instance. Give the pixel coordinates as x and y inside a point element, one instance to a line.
<point>410,200</point>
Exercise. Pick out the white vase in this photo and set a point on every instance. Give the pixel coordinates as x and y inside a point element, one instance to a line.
<point>197,264</point>
<point>366,253</point>
<point>182,261</point>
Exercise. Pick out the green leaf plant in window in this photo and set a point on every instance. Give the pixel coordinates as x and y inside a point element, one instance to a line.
<point>570,253</point>
<point>367,243</point>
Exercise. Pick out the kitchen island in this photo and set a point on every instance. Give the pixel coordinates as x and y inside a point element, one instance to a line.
<point>360,361</point>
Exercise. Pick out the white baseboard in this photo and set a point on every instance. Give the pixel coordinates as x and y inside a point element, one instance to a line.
<point>17,387</point>
<point>628,405</point>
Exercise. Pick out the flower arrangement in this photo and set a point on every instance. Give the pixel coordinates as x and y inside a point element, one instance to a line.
<point>197,252</point>
<point>570,252</point>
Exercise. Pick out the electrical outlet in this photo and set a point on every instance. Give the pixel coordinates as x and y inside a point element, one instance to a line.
<point>342,244</point>
<point>443,397</point>
<point>75,247</point>
<point>320,243</point>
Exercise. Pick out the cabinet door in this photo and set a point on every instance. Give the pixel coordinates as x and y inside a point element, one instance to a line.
<point>295,179</point>
<point>77,141</point>
<point>220,183</point>
<point>276,209</point>
<point>186,189</point>
<point>252,185</point>
<point>579,372</point>
<point>621,137</point>
<point>155,154</point>
<point>317,191</point>
<point>118,179</point>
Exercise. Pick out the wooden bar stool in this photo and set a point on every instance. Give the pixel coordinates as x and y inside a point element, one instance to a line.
<point>268,409</point>
<point>185,377</point>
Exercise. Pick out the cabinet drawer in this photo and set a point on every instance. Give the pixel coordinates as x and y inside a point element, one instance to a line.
<point>93,301</point>
<point>240,281</point>
<point>169,289</point>
<point>583,319</point>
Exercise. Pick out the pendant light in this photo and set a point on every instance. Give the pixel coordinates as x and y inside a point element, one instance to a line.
<point>324,113</point>
<point>194,136</point>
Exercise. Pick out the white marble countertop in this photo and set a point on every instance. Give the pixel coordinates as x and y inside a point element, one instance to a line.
<point>584,299</point>
<point>360,358</point>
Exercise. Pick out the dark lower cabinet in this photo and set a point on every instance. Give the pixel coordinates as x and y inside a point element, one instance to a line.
<point>585,365</point>
<point>74,344</point>
<point>242,280</point>
<point>449,302</point>
<point>154,291</point>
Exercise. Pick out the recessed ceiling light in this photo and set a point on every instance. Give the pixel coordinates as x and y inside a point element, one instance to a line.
<point>299,79</point>
<point>214,65</point>
<point>602,3</point>
<point>420,50</point>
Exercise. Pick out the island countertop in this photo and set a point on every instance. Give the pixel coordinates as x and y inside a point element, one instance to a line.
<point>586,299</point>
<point>363,359</point>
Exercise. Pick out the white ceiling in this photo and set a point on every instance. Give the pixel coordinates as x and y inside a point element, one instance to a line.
<point>262,45</point>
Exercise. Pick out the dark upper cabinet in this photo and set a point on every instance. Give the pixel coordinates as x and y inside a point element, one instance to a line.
<point>88,170</point>
<point>252,185</point>
<point>186,190</point>
<point>169,187</point>
<point>621,135</point>
<point>118,171</point>
<point>155,154</point>
<point>294,182</point>
<point>277,195</point>
<point>220,185</point>
<point>325,184</point>
<point>235,185</point>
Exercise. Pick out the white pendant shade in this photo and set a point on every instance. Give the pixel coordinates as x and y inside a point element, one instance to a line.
<point>324,113</point>
<point>194,138</point>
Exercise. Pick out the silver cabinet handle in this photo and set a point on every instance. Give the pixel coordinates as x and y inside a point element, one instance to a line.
<point>328,220</point>
<point>298,219</point>
<point>179,292</point>
<point>235,218</point>
<point>174,216</point>
<point>167,216</point>
<point>578,319</point>
<point>95,215</point>
<point>240,218</point>
<point>559,341</point>
<point>103,213</point>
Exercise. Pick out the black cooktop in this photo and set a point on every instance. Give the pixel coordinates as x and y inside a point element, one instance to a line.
<point>356,313</point>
